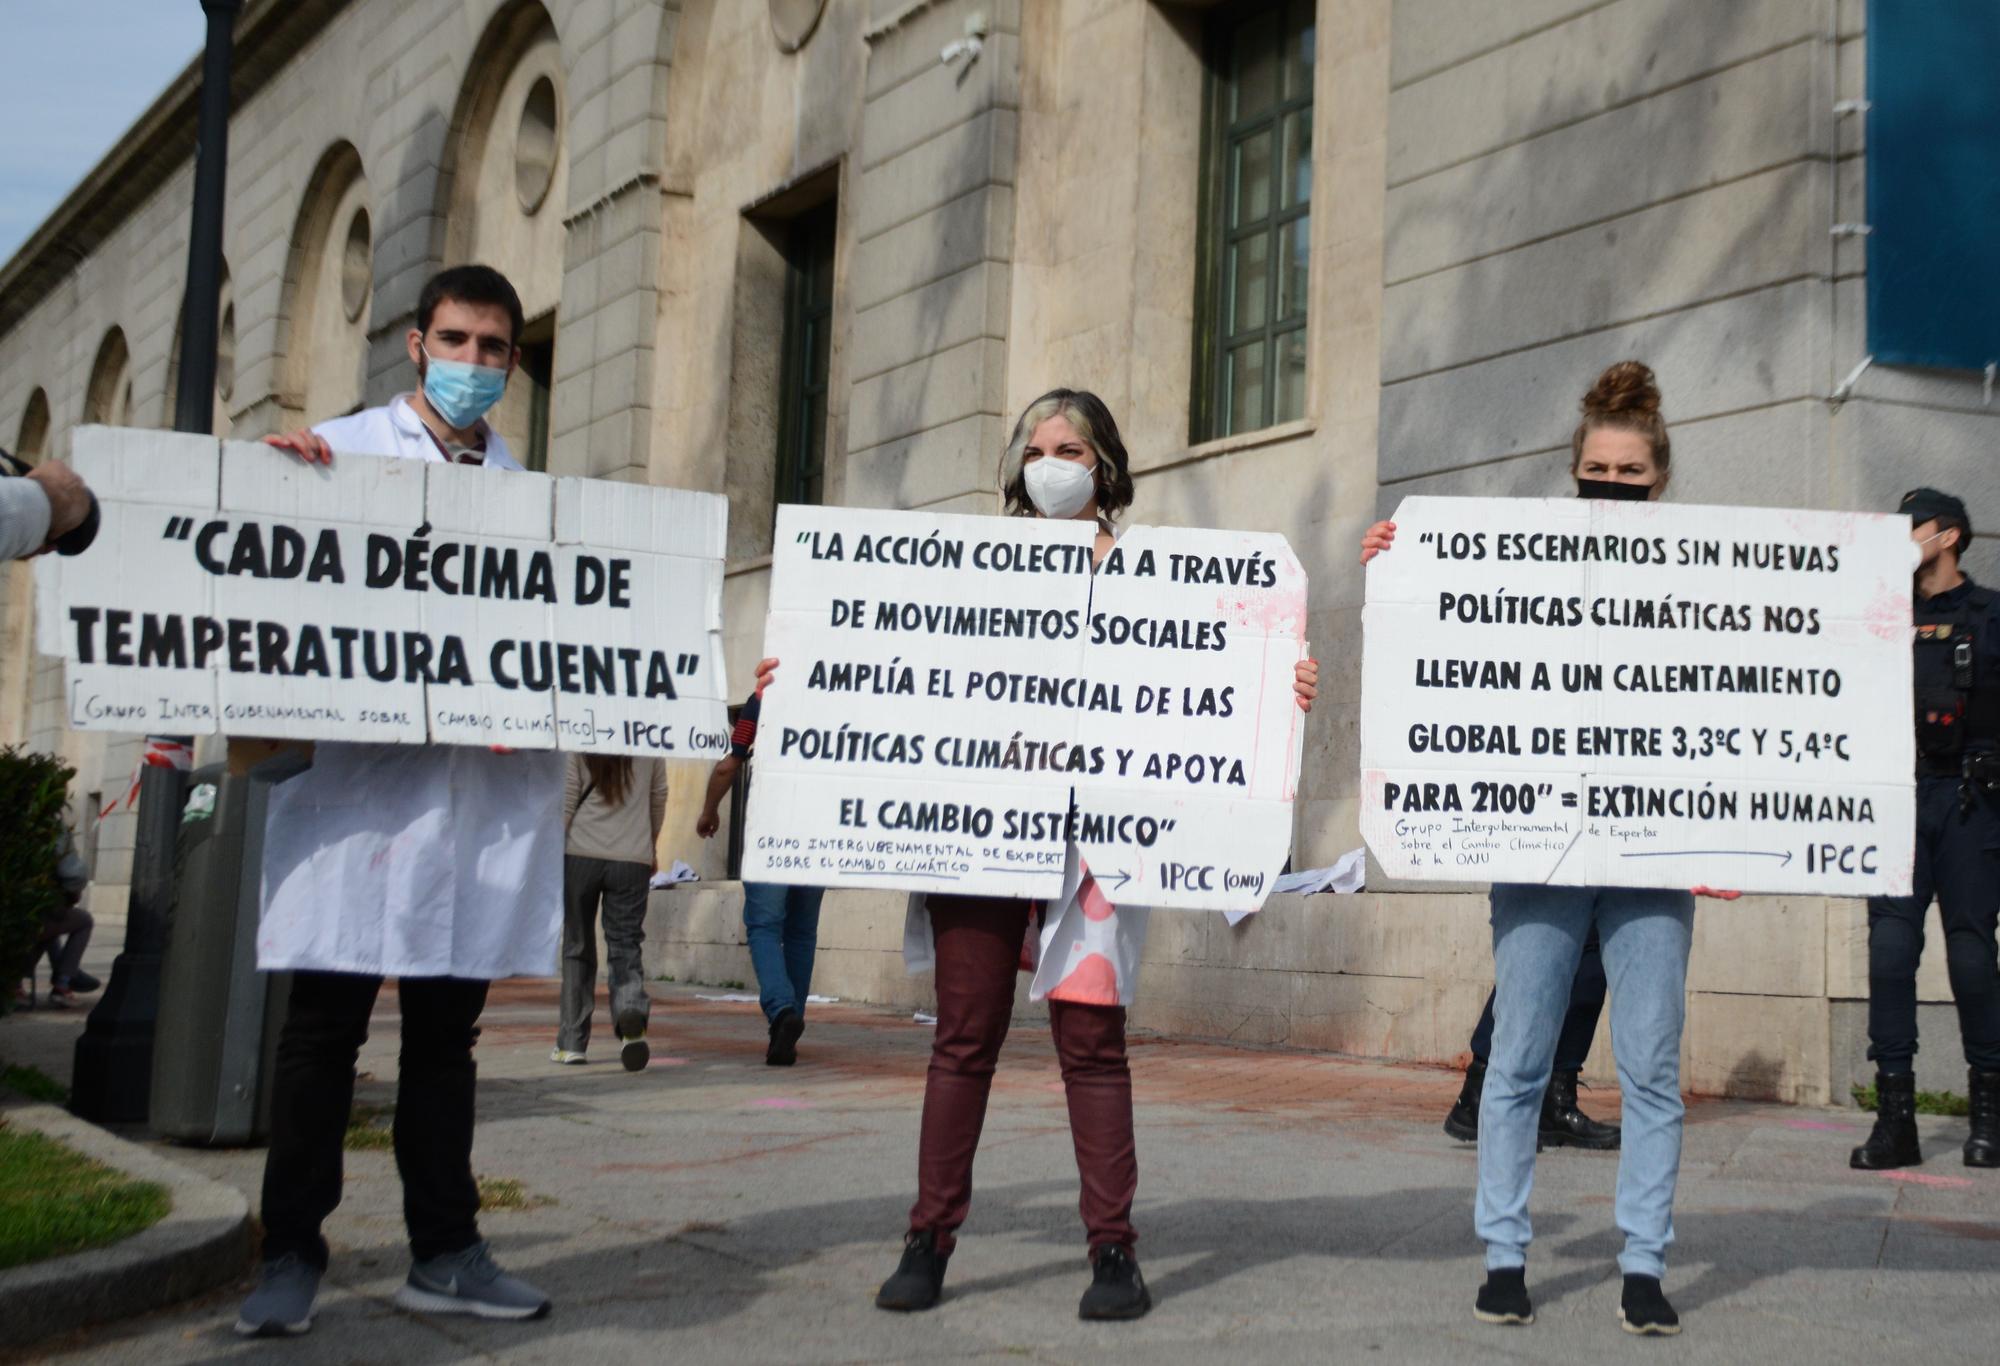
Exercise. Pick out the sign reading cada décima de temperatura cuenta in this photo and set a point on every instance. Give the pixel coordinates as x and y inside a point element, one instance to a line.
<point>233,588</point>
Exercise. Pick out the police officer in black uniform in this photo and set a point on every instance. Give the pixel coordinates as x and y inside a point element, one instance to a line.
<point>1957,681</point>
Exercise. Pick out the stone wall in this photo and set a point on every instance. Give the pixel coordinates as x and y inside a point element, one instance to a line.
<point>409,113</point>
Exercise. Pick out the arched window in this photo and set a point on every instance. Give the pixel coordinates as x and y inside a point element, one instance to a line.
<point>33,442</point>
<point>108,399</point>
<point>329,293</point>
<point>502,193</point>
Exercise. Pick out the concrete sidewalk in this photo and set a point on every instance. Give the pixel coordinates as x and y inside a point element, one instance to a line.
<point>1293,1207</point>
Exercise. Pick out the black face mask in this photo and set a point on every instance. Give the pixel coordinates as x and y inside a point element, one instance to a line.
<point>1612,490</point>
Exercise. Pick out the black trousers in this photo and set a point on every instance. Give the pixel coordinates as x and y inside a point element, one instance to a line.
<point>1586,1002</point>
<point>1958,862</point>
<point>313,1093</point>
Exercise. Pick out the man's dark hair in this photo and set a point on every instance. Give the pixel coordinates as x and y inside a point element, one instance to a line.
<point>470,285</point>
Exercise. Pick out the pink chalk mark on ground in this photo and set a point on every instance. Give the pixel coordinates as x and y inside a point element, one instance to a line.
<point>668,1062</point>
<point>1820,1126</point>
<point>1949,1183</point>
<point>780,1103</point>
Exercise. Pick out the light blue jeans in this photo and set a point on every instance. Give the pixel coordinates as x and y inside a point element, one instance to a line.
<point>782,925</point>
<point>1538,935</point>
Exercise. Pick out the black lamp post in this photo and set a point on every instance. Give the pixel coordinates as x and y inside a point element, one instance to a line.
<point>112,1076</point>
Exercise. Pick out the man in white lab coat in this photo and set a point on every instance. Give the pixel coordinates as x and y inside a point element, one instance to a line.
<point>438,865</point>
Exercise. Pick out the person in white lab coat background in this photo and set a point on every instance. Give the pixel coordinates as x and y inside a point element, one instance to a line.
<point>438,865</point>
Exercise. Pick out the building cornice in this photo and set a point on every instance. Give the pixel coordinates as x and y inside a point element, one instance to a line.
<point>269,33</point>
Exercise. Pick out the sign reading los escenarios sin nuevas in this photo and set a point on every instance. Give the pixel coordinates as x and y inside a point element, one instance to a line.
<point>1640,695</point>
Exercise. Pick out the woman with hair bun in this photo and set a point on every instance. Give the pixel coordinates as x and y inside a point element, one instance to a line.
<point>1620,450</point>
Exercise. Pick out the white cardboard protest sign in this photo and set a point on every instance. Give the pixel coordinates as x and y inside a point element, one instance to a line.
<point>1640,695</point>
<point>959,697</point>
<point>235,589</point>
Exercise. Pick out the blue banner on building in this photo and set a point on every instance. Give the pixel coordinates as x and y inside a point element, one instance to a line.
<point>1934,182</point>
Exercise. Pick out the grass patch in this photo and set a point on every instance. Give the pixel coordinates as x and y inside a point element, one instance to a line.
<point>35,1084</point>
<point>1928,1102</point>
<point>730,986</point>
<point>55,1201</point>
<point>504,1192</point>
<point>368,1128</point>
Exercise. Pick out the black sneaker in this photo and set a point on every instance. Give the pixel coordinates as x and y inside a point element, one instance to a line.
<point>785,1031</point>
<point>1117,1290</point>
<point>1504,1298</point>
<point>1645,1310</point>
<point>919,1280</point>
<point>1463,1121</point>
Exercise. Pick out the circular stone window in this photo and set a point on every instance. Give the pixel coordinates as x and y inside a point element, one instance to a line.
<point>535,145</point>
<point>357,266</point>
<point>793,22</point>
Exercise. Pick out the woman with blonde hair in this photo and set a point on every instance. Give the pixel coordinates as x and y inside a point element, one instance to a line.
<point>1620,450</point>
<point>1064,460</point>
<point>613,807</point>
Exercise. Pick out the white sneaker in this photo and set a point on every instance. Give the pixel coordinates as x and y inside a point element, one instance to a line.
<point>566,1057</point>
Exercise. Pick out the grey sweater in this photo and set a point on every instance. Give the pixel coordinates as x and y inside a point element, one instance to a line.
<point>24,518</point>
<point>625,833</point>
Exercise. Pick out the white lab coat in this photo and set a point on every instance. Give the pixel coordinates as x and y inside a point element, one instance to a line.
<point>414,860</point>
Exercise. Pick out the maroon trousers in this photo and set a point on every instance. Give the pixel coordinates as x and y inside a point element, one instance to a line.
<point>978,954</point>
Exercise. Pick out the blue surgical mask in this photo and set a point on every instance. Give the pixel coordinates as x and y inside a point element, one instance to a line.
<point>461,392</point>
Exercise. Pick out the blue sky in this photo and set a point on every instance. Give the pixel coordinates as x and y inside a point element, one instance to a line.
<point>78,73</point>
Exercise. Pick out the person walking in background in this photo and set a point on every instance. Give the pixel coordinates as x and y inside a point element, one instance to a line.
<point>65,932</point>
<point>613,809</point>
<point>780,922</point>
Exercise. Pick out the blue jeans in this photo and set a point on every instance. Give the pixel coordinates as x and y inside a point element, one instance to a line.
<point>1538,935</point>
<point>782,925</point>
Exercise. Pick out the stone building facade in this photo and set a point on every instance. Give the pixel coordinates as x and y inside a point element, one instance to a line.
<point>1316,255</point>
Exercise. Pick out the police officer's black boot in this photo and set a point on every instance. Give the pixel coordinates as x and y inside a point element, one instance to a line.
<point>1894,1140</point>
<point>1982,1149</point>
<point>1463,1121</point>
<point>1565,1126</point>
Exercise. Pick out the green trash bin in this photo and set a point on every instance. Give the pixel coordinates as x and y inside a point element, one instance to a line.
<point>217,1035</point>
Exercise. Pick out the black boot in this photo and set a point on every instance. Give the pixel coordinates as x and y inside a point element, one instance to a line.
<point>1982,1149</point>
<point>1463,1121</point>
<point>1117,1290</point>
<point>1894,1140</point>
<point>919,1279</point>
<point>1565,1126</point>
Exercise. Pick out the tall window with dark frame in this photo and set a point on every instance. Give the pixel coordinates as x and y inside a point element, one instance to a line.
<point>808,346</point>
<point>1256,225</point>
